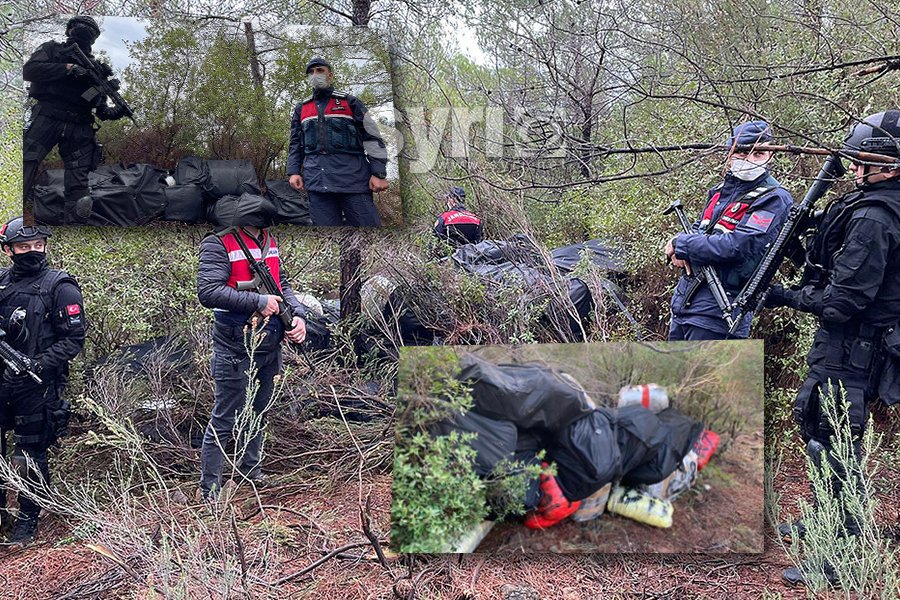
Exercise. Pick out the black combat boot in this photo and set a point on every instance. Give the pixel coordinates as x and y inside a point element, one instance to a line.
<point>798,576</point>
<point>24,531</point>
<point>786,530</point>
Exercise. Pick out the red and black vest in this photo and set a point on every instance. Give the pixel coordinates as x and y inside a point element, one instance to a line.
<point>731,216</point>
<point>240,266</point>
<point>330,128</point>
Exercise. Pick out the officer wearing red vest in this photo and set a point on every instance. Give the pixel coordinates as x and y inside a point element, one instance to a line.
<point>743,215</point>
<point>223,264</point>
<point>336,154</point>
<point>456,225</point>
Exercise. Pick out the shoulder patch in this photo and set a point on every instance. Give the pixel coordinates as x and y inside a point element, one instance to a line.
<point>760,220</point>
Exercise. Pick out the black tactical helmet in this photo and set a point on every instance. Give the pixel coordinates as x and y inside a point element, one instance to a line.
<point>83,20</point>
<point>317,61</point>
<point>878,133</point>
<point>17,231</point>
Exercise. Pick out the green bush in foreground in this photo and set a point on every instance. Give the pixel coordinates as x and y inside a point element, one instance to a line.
<point>436,496</point>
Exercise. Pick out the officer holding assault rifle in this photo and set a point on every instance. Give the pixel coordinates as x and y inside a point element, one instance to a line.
<point>851,282</point>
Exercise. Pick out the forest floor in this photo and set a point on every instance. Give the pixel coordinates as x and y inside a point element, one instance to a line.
<point>312,523</point>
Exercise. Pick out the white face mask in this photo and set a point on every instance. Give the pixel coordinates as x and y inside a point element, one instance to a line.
<point>318,81</point>
<point>746,170</point>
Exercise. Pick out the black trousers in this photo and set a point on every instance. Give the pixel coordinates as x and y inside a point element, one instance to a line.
<point>334,209</point>
<point>230,366</point>
<point>77,147</point>
<point>25,409</point>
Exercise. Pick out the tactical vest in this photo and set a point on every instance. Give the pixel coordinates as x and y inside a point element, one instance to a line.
<point>240,266</point>
<point>459,216</point>
<point>332,129</point>
<point>65,93</point>
<point>833,229</point>
<point>34,334</point>
<point>734,212</point>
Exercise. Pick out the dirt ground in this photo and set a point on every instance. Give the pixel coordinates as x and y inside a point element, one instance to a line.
<point>54,569</point>
<point>723,512</point>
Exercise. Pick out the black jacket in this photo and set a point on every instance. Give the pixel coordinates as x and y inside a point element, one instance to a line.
<point>53,83</point>
<point>53,330</point>
<point>854,259</point>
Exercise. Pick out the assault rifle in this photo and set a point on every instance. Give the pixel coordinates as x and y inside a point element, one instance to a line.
<point>265,283</point>
<point>753,296</point>
<point>17,362</point>
<point>708,272</point>
<point>102,86</point>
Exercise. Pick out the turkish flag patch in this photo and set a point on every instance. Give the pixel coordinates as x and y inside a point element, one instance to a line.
<point>73,309</point>
<point>760,220</point>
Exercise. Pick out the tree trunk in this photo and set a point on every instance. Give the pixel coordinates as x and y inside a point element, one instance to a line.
<point>351,277</point>
<point>353,242</point>
<point>361,10</point>
<point>255,70</point>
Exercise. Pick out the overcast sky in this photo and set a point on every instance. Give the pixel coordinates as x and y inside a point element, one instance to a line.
<point>117,31</point>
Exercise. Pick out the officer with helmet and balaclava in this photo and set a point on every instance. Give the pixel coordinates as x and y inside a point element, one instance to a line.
<point>336,154</point>
<point>852,284</point>
<point>743,214</point>
<point>42,315</point>
<point>66,104</point>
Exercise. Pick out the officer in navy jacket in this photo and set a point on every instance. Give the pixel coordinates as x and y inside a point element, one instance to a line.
<point>223,265</point>
<point>336,154</point>
<point>456,225</point>
<point>743,214</point>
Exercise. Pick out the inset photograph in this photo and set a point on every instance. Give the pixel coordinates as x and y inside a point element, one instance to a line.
<point>580,448</point>
<point>131,121</point>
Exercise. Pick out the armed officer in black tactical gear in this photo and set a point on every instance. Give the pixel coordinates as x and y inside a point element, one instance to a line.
<point>852,283</point>
<point>42,315</point>
<point>66,103</point>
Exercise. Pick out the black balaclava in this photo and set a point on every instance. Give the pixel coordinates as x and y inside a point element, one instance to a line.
<point>84,36</point>
<point>30,263</point>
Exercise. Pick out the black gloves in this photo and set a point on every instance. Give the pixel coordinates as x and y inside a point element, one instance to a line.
<point>104,69</point>
<point>780,296</point>
<point>78,71</point>
<point>110,113</point>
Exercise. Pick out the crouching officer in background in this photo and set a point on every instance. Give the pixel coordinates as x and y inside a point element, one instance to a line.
<point>66,103</point>
<point>456,225</point>
<point>336,154</point>
<point>224,264</point>
<point>42,315</point>
<point>743,214</point>
<point>852,283</point>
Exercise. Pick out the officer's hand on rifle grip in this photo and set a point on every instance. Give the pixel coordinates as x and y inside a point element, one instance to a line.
<point>296,182</point>
<point>271,307</point>
<point>76,71</point>
<point>298,332</point>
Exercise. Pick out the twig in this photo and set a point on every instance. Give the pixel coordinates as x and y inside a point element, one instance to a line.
<point>241,555</point>
<point>367,529</point>
<point>313,565</point>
